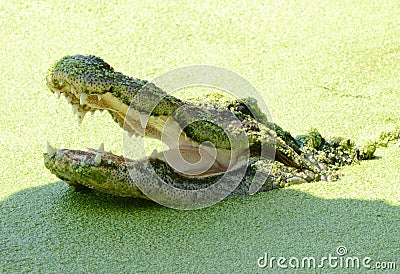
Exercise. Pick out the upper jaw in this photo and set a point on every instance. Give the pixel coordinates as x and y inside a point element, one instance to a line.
<point>128,118</point>
<point>81,103</point>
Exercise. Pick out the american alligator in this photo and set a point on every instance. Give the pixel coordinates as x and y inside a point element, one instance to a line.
<point>267,156</point>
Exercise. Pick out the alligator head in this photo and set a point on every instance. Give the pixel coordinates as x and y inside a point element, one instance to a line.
<point>202,147</point>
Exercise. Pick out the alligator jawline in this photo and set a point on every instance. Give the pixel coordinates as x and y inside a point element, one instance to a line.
<point>141,124</point>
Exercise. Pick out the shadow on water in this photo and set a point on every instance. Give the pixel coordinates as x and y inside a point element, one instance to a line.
<point>54,229</point>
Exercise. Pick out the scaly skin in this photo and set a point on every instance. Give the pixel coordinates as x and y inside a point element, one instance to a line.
<point>90,84</point>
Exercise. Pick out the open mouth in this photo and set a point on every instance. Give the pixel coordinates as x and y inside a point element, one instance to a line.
<point>85,93</point>
<point>109,173</point>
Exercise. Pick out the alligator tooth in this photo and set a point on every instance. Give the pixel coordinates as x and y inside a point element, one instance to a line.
<point>57,93</point>
<point>120,124</point>
<point>72,89</point>
<point>109,162</point>
<point>79,116</point>
<point>50,150</point>
<point>131,111</point>
<point>101,147</point>
<point>99,97</point>
<point>69,99</point>
<point>153,154</point>
<point>120,102</point>
<point>83,98</point>
<point>97,159</point>
<point>92,111</point>
<point>130,133</point>
<point>74,109</point>
<point>143,119</point>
